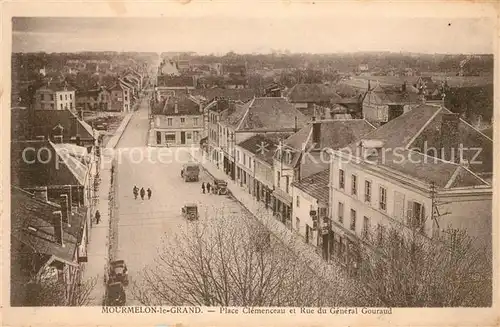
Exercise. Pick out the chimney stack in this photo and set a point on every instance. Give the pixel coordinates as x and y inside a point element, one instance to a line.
<point>58,139</point>
<point>176,107</point>
<point>58,229</point>
<point>65,209</point>
<point>41,193</point>
<point>316,134</point>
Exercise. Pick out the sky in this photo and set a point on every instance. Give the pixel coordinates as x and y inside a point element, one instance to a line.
<point>219,35</point>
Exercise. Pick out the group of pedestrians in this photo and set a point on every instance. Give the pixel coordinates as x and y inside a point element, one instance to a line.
<point>206,187</point>
<point>142,192</point>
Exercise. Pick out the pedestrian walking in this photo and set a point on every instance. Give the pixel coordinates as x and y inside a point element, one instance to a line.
<point>135,191</point>
<point>97,217</point>
<point>149,193</point>
<point>142,193</point>
<point>208,188</point>
<point>203,187</point>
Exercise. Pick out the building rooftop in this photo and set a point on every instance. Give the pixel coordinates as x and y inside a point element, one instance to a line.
<point>313,93</point>
<point>266,114</point>
<point>316,185</point>
<point>185,106</point>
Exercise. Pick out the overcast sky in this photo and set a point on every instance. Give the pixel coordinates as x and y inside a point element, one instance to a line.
<point>248,35</point>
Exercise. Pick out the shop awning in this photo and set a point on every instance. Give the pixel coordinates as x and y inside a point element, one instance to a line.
<point>282,196</point>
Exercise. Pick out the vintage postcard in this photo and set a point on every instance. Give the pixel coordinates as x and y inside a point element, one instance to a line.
<point>274,164</point>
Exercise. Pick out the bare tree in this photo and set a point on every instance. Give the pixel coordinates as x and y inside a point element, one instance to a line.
<point>404,268</point>
<point>231,261</point>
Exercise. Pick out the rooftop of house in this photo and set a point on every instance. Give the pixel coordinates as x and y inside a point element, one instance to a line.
<point>415,133</point>
<point>391,95</point>
<point>313,93</point>
<point>175,81</point>
<point>32,225</point>
<point>263,146</point>
<point>46,121</point>
<point>333,134</point>
<point>89,93</point>
<point>266,114</point>
<point>211,94</point>
<point>316,185</point>
<point>185,106</point>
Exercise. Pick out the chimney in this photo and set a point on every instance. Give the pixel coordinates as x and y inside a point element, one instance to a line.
<point>41,193</point>
<point>176,107</point>
<point>449,137</point>
<point>65,209</point>
<point>371,149</point>
<point>58,139</point>
<point>316,133</point>
<point>58,230</point>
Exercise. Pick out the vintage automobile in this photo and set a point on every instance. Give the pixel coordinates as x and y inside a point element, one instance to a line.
<point>118,272</point>
<point>190,211</point>
<point>115,294</point>
<point>190,172</point>
<point>220,187</point>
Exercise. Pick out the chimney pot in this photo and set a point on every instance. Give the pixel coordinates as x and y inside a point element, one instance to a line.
<point>41,193</point>
<point>58,139</point>
<point>58,229</point>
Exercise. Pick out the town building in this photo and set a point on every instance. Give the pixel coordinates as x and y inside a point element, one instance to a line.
<point>389,179</point>
<point>306,153</point>
<point>55,96</point>
<point>382,104</point>
<point>94,100</point>
<point>257,116</point>
<point>120,98</point>
<point>177,121</point>
<point>170,82</point>
<point>305,96</point>
<point>48,245</point>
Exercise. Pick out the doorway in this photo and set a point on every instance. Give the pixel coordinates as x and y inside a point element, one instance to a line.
<point>183,137</point>
<point>158,137</point>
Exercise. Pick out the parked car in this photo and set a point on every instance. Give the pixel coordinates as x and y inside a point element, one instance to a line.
<point>220,187</point>
<point>190,211</point>
<point>118,272</point>
<point>115,294</point>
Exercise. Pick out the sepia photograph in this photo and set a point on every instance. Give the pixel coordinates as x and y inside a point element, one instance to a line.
<point>247,165</point>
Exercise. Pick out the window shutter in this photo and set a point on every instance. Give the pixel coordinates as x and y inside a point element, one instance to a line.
<point>422,219</point>
<point>409,214</point>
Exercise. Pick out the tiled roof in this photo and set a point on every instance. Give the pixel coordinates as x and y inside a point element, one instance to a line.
<point>243,95</point>
<point>316,185</point>
<point>77,168</point>
<point>334,134</point>
<point>175,81</point>
<point>418,127</point>
<point>313,93</point>
<point>89,93</point>
<point>185,106</point>
<point>27,211</point>
<point>385,95</point>
<point>263,146</point>
<point>267,114</point>
<point>46,120</point>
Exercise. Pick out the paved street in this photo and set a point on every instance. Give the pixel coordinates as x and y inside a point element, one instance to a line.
<point>142,223</point>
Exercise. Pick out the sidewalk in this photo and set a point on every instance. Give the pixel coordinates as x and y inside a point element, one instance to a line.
<point>331,272</point>
<point>97,248</point>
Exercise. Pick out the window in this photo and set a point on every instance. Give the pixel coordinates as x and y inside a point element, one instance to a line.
<point>244,159</point>
<point>51,97</point>
<point>71,105</point>
<point>170,138</point>
<point>353,219</point>
<point>278,178</point>
<point>297,223</point>
<point>65,97</point>
<point>368,191</point>
<point>183,120</point>
<point>60,97</point>
<point>354,185</point>
<point>415,215</point>
<point>297,202</point>
<point>126,98</point>
<point>250,163</point>
<point>382,198</point>
<point>366,226</point>
<point>61,106</point>
<point>51,106</point>
<point>188,136</point>
<point>341,179</point>
<point>341,212</point>
<point>169,121</point>
<point>71,96</point>
<point>195,121</point>
<point>287,181</point>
